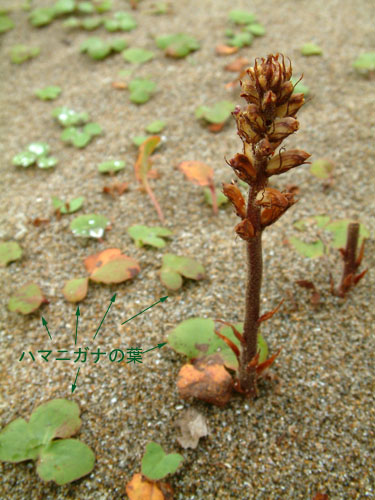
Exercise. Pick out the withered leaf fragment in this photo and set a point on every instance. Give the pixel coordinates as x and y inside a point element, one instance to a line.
<point>286,160</point>
<point>235,196</point>
<point>243,168</point>
<point>245,230</point>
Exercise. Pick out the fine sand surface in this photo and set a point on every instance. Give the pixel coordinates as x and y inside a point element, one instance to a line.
<point>310,430</point>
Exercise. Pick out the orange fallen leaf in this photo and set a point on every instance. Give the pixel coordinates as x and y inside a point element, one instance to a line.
<point>237,65</point>
<point>216,127</point>
<point>202,175</point>
<point>99,259</point>
<point>140,488</point>
<point>207,380</point>
<point>119,85</point>
<point>225,50</point>
<point>117,188</point>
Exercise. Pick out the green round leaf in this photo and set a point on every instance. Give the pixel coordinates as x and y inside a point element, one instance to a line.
<point>242,17</point>
<point>91,23</point>
<point>141,90</point>
<point>365,63</point>
<point>139,139</point>
<point>67,207</point>
<point>118,45</point>
<point>64,461</point>
<point>111,166</point>
<point>6,23</point>
<point>311,250</point>
<point>39,148</point>
<point>85,7</point>
<point>136,55</point>
<point>178,45</point>
<point>75,289</point>
<point>24,159</point>
<point>155,127</point>
<point>26,300</point>
<point>46,161</point>
<point>41,16</point>
<point>48,93</point>
<point>92,129</point>
<point>96,48</point>
<point>311,49</point>
<point>156,464</point>
<point>62,7</point>
<point>22,53</point>
<point>256,29</point>
<point>90,225</point>
<point>171,279</point>
<point>190,268</point>
<point>116,270</point>
<point>144,235</point>
<point>218,113</point>
<point>69,118</point>
<point>18,443</point>
<point>9,252</point>
<point>322,168</point>
<point>243,39</point>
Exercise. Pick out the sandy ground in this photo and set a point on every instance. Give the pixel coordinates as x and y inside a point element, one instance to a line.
<point>312,432</point>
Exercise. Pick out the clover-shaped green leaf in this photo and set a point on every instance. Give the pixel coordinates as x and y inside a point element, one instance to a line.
<point>69,118</point>
<point>256,29</point>
<point>242,17</point>
<point>311,49</point>
<point>22,53</point>
<point>196,338</point>
<point>137,55</point>
<point>62,460</point>
<point>311,250</point>
<point>6,23</point>
<point>322,168</point>
<point>178,45</point>
<point>48,93</point>
<point>36,153</point>
<point>122,21</point>
<point>85,7</point>
<point>26,299</point>
<point>41,16</point>
<point>75,289</point>
<point>299,88</point>
<point>103,6</point>
<point>155,127</point>
<point>141,90</point>
<point>91,23</point>
<point>81,137</point>
<point>111,166</point>
<point>96,48</point>
<point>24,159</point>
<point>118,45</point>
<point>46,161</point>
<point>144,235</point>
<point>9,252</point>
<point>62,7</point>
<point>156,464</point>
<point>244,39</point>
<point>175,266</point>
<point>90,225</point>
<point>67,207</point>
<point>365,63</point>
<point>218,113</point>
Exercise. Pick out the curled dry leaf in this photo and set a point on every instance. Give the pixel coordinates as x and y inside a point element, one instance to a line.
<point>225,50</point>
<point>193,426</point>
<point>118,188</point>
<point>237,65</point>
<point>207,380</point>
<point>111,266</point>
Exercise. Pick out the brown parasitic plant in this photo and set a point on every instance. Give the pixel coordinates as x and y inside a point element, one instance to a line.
<point>267,120</point>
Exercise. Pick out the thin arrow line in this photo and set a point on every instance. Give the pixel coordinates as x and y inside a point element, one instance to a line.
<point>46,327</point>
<point>77,314</point>
<point>156,347</point>
<point>162,299</point>
<point>112,300</point>
<point>74,385</point>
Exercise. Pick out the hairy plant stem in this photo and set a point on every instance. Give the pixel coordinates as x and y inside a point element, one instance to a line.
<point>247,378</point>
<point>350,255</point>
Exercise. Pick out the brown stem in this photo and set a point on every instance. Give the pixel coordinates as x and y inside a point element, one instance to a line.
<point>350,264</point>
<point>247,378</point>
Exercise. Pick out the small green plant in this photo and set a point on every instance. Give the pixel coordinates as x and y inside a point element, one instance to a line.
<point>36,153</point>
<point>97,49</point>
<point>121,21</point>
<point>141,90</point>
<point>44,439</point>
<point>89,226</point>
<point>48,93</point>
<point>9,252</point>
<point>26,299</point>
<point>111,166</point>
<point>67,207</point>
<point>267,120</point>
<point>249,28</point>
<point>218,113</point>
<point>137,56</point>
<point>178,45</point>
<point>174,267</point>
<point>22,53</point>
<point>6,23</point>
<point>153,236</point>
<point>365,64</point>
<point>156,464</point>
<point>311,49</point>
<point>76,129</point>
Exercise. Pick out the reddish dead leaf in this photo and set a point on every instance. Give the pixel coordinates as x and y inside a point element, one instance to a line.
<point>216,127</point>
<point>119,85</point>
<point>140,488</point>
<point>359,276</point>
<point>198,172</point>
<point>99,259</point>
<point>315,297</point>
<point>225,50</point>
<point>292,188</point>
<point>206,380</point>
<point>266,364</point>
<point>320,496</point>
<point>269,314</point>
<point>142,168</point>
<point>237,65</point>
<point>39,222</point>
<point>230,344</point>
<point>118,188</point>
